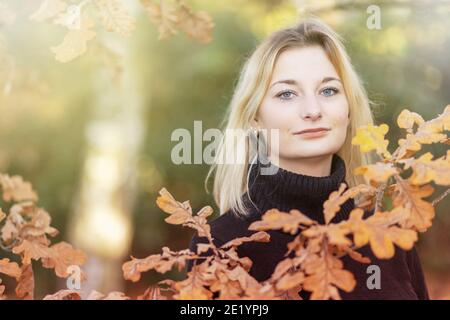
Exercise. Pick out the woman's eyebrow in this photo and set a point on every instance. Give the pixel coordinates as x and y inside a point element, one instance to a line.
<point>327,79</point>
<point>287,81</point>
<point>293,82</point>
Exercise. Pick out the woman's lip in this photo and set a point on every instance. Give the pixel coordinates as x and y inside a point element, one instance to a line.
<point>313,134</point>
<point>312,130</point>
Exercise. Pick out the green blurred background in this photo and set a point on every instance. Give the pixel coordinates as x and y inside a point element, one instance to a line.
<point>49,110</point>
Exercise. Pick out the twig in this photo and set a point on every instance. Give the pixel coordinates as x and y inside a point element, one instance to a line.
<point>380,194</point>
<point>442,196</point>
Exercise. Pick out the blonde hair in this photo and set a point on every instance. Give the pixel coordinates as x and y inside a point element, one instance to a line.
<point>231,180</point>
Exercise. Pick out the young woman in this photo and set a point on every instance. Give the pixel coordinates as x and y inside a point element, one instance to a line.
<point>301,82</point>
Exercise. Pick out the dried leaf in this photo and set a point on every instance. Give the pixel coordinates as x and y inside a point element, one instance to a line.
<point>193,288</point>
<point>25,283</point>
<point>152,293</point>
<point>333,204</point>
<point>379,172</point>
<point>203,247</point>
<point>169,19</point>
<point>115,295</point>
<point>36,221</point>
<point>408,147</point>
<point>355,255</point>
<point>420,212</point>
<point>325,274</point>
<point>264,292</point>
<point>257,236</point>
<point>181,213</point>
<point>11,269</point>
<point>61,256</point>
<point>197,25</point>
<point>73,45</point>
<point>64,295</point>
<point>115,17</point>
<point>371,137</point>
<point>407,119</point>
<point>427,133</point>
<point>335,233</point>
<point>164,16</point>
<point>246,281</point>
<point>36,249</point>
<point>381,232</point>
<point>159,262</point>
<point>282,268</point>
<point>290,280</point>
<point>14,188</point>
<point>9,231</point>
<point>288,222</point>
<point>426,170</point>
<point>293,294</point>
<point>2,291</point>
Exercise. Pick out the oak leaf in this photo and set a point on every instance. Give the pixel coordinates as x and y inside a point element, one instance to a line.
<point>181,213</point>
<point>115,17</point>
<point>164,16</point>
<point>152,293</point>
<point>257,236</point>
<point>325,274</point>
<point>25,283</point>
<point>33,249</point>
<point>159,262</point>
<point>64,295</point>
<point>36,221</point>
<point>288,222</point>
<point>335,233</point>
<point>193,287</point>
<point>75,41</point>
<point>290,281</point>
<point>15,188</point>
<point>371,137</point>
<point>379,172</point>
<point>333,204</point>
<point>11,269</point>
<point>115,295</point>
<point>427,133</point>
<point>426,170</point>
<point>381,232</point>
<point>407,119</point>
<point>197,25</point>
<point>420,212</point>
<point>61,256</point>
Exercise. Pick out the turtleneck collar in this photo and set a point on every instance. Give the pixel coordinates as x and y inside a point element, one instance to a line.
<point>286,190</point>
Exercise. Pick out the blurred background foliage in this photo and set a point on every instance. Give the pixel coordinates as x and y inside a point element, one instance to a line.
<point>46,106</point>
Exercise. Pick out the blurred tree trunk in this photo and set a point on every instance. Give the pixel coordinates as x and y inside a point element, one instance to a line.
<point>102,223</point>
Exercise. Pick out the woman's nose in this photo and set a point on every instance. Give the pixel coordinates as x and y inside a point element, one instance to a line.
<point>311,109</point>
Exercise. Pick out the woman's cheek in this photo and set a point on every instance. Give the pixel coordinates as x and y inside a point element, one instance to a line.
<point>340,122</point>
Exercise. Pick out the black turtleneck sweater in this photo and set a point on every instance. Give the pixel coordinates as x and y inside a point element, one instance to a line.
<point>400,277</point>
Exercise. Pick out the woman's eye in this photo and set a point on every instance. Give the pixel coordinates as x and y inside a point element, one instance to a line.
<point>328,92</point>
<point>286,95</point>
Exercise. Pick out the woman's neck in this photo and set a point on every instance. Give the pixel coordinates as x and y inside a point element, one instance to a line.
<point>286,190</point>
<point>319,166</point>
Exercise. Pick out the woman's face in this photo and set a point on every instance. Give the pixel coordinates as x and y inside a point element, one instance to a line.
<point>305,92</point>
